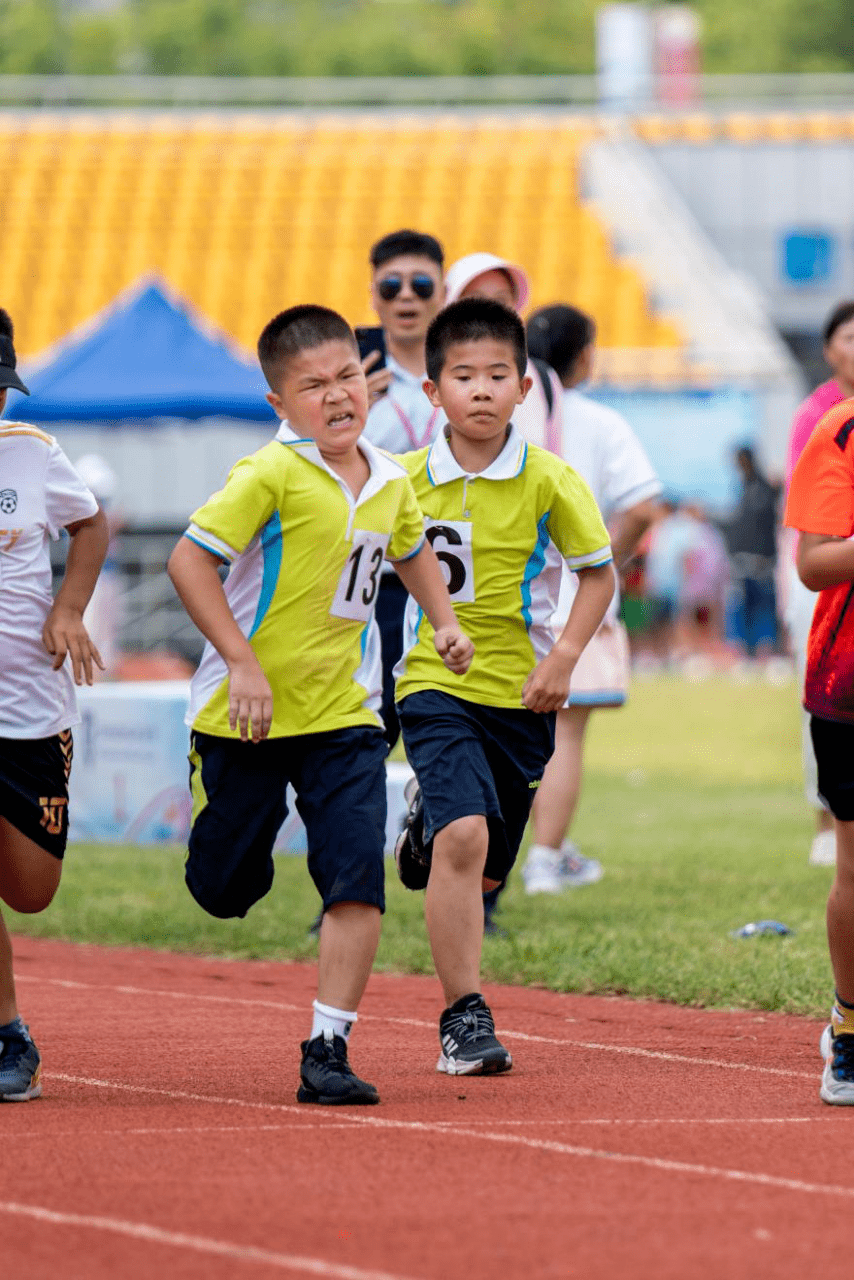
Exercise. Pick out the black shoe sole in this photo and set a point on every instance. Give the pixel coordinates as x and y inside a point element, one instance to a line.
<point>412,859</point>
<point>336,1099</point>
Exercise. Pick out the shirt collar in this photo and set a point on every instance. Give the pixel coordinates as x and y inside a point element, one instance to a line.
<point>442,466</point>
<point>398,372</point>
<point>382,466</point>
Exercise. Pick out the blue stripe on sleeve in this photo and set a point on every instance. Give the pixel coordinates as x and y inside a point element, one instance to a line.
<point>206,547</point>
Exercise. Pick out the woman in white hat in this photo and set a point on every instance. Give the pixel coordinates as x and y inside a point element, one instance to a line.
<point>485,275</point>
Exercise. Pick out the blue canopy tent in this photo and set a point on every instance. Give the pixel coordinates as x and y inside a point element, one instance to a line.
<point>148,356</point>
<point>155,391</point>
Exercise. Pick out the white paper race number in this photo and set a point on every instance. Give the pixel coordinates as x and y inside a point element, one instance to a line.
<point>452,543</point>
<point>360,580</point>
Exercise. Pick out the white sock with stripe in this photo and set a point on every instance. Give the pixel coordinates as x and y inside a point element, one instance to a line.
<point>330,1022</point>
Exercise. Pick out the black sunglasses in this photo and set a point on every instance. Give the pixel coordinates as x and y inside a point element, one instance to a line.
<point>390,286</point>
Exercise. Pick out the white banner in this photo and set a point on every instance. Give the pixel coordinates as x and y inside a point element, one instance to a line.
<point>129,779</point>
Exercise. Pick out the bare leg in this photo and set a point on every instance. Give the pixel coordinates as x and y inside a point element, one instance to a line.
<point>840,913</point>
<point>8,1007</point>
<point>349,937</point>
<point>557,795</point>
<point>29,877</point>
<point>453,904</point>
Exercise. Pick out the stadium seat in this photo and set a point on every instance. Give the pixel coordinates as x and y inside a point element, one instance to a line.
<point>248,214</point>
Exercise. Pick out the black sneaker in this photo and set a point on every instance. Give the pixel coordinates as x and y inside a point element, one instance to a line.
<point>469,1046</point>
<point>20,1064</point>
<point>326,1077</point>
<point>412,856</point>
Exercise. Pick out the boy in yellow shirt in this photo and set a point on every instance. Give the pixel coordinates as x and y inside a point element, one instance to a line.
<point>502,516</point>
<point>288,689</point>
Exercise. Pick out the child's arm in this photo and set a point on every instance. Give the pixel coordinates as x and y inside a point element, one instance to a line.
<point>193,571</point>
<point>422,576</point>
<point>547,687</point>
<point>63,632</point>
<point>628,527</point>
<point>824,561</point>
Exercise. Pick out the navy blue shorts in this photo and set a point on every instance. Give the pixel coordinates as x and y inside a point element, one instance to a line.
<point>833,742</point>
<point>471,759</point>
<point>34,788</point>
<point>238,791</point>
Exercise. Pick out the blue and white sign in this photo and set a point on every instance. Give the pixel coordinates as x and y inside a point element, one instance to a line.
<point>129,779</point>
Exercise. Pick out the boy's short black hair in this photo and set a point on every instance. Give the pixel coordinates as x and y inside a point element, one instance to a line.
<point>840,315</point>
<point>7,329</point>
<point>558,335</point>
<point>472,320</point>
<point>399,244</point>
<point>299,329</point>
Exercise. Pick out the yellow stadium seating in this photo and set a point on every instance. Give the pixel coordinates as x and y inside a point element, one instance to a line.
<point>745,127</point>
<point>245,215</point>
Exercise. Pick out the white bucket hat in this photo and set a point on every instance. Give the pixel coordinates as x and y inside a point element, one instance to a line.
<point>464,270</point>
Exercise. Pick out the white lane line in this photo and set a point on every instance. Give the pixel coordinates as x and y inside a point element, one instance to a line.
<point>627,1121</point>
<point>182,1095</point>
<point>482,1135</point>
<point>198,1244</point>
<point>669,1166</point>
<point>167,1130</point>
<point>628,1050</point>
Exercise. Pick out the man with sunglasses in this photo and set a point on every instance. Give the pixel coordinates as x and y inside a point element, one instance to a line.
<point>407,291</point>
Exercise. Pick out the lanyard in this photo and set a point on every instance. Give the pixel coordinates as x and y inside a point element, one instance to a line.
<point>416,441</point>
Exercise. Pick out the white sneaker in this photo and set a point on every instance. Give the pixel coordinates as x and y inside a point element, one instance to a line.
<point>837,1079</point>
<point>552,871</point>
<point>577,870</point>
<point>823,849</point>
<point>826,1042</point>
<point>542,870</point>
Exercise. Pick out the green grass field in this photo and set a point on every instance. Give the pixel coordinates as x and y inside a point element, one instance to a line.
<point>693,801</point>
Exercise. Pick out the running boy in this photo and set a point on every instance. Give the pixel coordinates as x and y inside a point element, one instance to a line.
<point>821,506</point>
<point>502,515</point>
<point>40,494</point>
<point>292,662</point>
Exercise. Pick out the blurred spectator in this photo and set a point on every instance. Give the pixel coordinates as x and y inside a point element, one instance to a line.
<point>839,356</point>
<point>686,573</point>
<point>600,444</point>
<point>484,275</point>
<point>751,535</point>
<point>407,291</point>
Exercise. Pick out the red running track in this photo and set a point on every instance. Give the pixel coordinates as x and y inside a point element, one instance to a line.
<point>631,1139</point>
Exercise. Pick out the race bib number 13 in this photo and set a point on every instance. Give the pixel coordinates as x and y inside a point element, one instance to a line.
<point>360,580</point>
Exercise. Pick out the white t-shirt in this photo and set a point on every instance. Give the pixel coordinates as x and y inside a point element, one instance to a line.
<point>40,493</point>
<point>600,445</point>
<point>538,423</point>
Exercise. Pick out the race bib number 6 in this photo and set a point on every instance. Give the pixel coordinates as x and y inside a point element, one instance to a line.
<point>452,543</point>
<point>360,579</point>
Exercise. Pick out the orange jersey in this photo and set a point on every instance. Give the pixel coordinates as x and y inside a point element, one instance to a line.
<point>821,500</point>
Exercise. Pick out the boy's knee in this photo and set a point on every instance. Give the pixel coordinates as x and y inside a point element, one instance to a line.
<point>462,842</point>
<point>29,902</point>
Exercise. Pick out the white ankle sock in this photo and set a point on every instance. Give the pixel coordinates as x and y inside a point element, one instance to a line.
<point>331,1022</point>
<point>542,853</point>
